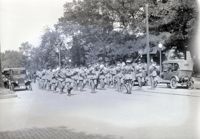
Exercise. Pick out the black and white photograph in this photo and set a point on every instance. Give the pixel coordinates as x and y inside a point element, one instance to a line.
<point>99,69</point>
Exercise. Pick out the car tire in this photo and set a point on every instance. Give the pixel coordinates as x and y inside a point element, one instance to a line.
<point>12,87</point>
<point>30,87</point>
<point>190,84</point>
<point>173,83</point>
<point>155,84</point>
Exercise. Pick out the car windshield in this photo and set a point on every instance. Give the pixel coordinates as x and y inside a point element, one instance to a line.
<point>170,67</point>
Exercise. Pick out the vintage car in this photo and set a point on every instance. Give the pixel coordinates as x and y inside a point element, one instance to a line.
<point>17,78</point>
<point>177,73</point>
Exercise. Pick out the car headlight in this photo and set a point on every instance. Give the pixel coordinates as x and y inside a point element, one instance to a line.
<point>17,82</point>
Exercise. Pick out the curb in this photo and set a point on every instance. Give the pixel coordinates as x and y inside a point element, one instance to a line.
<point>7,94</point>
<point>169,93</point>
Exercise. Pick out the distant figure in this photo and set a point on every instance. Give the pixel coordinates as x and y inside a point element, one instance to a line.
<point>153,74</point>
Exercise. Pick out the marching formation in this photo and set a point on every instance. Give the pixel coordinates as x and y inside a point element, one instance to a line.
<point>121,77</point>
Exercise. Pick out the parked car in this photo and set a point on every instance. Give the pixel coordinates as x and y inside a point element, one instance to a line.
<point>17,78</point>
<point>177,73</point>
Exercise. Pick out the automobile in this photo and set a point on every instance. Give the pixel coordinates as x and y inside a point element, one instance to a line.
<point>176,73</point>
<point>17,79</point>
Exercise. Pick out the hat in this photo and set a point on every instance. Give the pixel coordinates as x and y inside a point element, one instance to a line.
<point>123,64</point>
<point>129,60</point>
<point>139,61</point>
<point>101,66</point>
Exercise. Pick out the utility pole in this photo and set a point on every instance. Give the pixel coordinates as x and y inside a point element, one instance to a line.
<point>59,55</point>
<point>1,80</point>
<point>147,38</point>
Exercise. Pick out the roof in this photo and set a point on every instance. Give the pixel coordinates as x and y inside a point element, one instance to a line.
<point>152,50</point>
<point>177,61</point>
<point>183,64</point>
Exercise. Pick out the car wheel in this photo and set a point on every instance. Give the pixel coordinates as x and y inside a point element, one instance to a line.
<point>190,84</point>
<point>155,83</point>
<point>12,87</point>
<point>173,83</point>
<point>30,87</point>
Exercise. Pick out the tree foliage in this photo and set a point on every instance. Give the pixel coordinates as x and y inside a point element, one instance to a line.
<point>115,29</point>
<point>12,59</point>
<point>93,31</point>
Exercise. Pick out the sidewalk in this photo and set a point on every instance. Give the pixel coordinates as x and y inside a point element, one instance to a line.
<point>6,93</point>
<point>161,89</point>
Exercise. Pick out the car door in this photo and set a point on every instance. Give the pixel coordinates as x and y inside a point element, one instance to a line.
<point>167,71</point>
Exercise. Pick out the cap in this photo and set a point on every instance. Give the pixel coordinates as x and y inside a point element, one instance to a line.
<point>129,60</point>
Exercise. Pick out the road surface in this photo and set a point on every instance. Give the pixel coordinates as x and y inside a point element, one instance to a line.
<point>145,114</point>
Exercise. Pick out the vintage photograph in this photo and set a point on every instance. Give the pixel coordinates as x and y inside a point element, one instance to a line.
<point>99,69</point>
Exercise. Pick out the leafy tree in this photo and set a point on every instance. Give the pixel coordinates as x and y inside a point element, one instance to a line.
<point>52,41</point>
<point>12,59</point>
<point>113,30</point>
<point>25,51</point>
<point>131,13</point>
<point>77,53</point>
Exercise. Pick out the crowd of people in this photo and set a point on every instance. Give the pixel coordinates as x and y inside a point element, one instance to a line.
<point>121,76</point>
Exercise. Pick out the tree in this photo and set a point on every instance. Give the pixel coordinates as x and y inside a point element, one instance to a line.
<point>77,53</point>
<point>25,50</point>
<point>113,30</point>
<point>130,13</point>
<point>12,59</point>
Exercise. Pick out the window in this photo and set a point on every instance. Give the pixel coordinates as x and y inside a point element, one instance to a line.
<point>19,72</point>
<point>175,67</point>
<point>167,67</point>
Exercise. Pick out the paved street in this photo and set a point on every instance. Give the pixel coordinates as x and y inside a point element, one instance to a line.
<point>146,114</point>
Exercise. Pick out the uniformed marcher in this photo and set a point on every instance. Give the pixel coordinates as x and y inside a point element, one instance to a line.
<point>81,78</point>
<point>54,82</point>
<point>119,78</point>
<point>75,78</point>
<point>101,76</point>
<point>69,81</point>
<point>108,77</point>
<point>128,77</point>
<point>153,74</point>
<point>92,76</point>
<point>113,73</point>
<point>139,73</point>
<point>61,79</point>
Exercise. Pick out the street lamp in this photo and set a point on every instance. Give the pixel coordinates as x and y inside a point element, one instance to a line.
<point>160,46</point>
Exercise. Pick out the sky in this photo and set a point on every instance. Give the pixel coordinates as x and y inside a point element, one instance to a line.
<point>26,20</point>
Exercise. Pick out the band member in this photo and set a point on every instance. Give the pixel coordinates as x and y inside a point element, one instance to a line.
<point>119,78</point>
<point>101,76</point>
<point>140,73</point>
<point>92,76</point>
<point>128,77</point>
<point>153,74</point>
